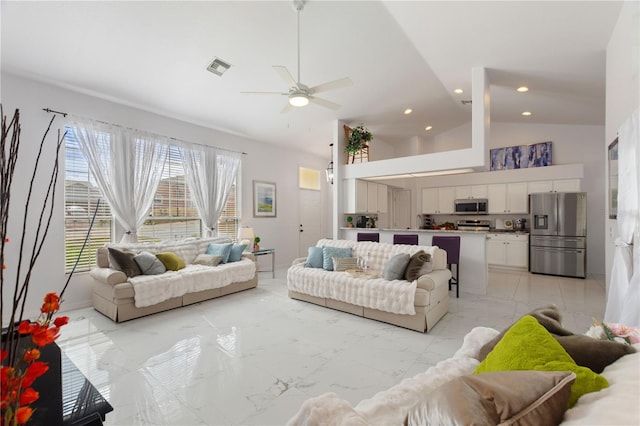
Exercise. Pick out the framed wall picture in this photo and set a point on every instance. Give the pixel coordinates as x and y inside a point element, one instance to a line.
<point>264,199</point>
<point>612,162</point>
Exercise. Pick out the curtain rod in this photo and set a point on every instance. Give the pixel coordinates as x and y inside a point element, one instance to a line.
<point>64,114</point>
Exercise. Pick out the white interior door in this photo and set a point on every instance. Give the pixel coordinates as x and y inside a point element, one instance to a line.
<point>401,200</point>
<point>310,214</point>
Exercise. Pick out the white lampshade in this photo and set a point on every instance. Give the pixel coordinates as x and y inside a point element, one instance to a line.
<point>246,235</point>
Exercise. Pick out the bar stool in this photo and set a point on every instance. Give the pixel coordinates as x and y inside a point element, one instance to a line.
<point>369,236</point>
<point>411,239</point>
<point>452,246</point>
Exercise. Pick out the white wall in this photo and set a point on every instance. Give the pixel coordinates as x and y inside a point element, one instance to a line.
<point>263,162</point>
<point>623,93</point>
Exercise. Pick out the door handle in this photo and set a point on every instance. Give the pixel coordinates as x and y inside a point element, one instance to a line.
<point>302,230</point>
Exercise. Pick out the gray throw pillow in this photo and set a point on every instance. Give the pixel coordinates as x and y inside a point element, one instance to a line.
<point>314,258</point>
<point>396,267</point>
<point>123,261</point>
<point>328,253</point>
<point>149,264</point>
<point>416,262</point>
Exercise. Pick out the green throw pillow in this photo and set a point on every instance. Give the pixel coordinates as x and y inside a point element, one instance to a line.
<point>171,260</point>
<point>529,346</point>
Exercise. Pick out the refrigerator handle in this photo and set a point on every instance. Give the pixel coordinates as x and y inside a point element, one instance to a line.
<point>540,221</point>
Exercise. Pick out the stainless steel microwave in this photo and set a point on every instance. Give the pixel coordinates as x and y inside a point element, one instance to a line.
<point>471,206</point>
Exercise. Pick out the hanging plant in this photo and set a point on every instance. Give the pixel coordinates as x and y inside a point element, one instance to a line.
<point>359,137</point>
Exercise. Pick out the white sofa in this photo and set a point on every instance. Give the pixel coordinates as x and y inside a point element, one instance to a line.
<point>115,295</point>
<point>615,405</point>
<point>416,305</point>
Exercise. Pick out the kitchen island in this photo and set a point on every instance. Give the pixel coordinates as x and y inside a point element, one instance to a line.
<point>473,258</point>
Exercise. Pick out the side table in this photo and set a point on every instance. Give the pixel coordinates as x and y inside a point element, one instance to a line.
<point>272,252</point>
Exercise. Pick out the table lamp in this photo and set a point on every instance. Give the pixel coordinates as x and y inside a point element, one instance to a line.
<point>245,236</point>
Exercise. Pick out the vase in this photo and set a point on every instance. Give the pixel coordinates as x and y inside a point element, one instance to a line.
<point>256,247</point>
<point>47,409</point>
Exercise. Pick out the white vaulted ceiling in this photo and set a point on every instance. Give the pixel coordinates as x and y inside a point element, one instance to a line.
<point>153,55</point>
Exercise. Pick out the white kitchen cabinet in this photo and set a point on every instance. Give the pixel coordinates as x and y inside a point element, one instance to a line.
<point>560,185</point>
<point>383,205</point>
<point>438,200</point>
<point>471,191</point>
<point>509,250</point>
<point>508,198</point>
<point>365,197</point>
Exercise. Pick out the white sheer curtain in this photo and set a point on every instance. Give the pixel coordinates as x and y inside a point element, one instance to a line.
<point>210,173</point>
<point>127,166</point>
<point>623,298</point>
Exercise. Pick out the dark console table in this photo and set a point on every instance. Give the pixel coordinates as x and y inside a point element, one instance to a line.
<point>82,403</point>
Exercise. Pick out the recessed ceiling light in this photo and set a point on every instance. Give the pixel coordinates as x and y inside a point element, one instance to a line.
<point>527,113</point>
<point>458,91</point>
<point>522,89</point>
<point>428,128</point>
<point>408,111</point>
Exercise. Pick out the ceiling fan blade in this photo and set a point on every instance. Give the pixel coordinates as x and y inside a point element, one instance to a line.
<point>265,93</point>
<point>336,84</point>
<point>286,108</point>
<point>323,102</point>
<point>284,73</point>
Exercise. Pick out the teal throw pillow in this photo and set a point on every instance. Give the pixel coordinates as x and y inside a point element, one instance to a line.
<point>314,258</point>
<point>223,250</point>
<point>328,253</point>
<point>236,252</point>
<point>529,346</point>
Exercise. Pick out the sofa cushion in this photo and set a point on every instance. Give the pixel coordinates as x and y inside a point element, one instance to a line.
<point>328,253</point>
<point>314,258</point>
<point>123,261</point>
<point>236,252</point>
<point>149,264</point>
<point>506,397</point>
<point>395,268</point>
<point>416,264</point>
<point>529,346</point>
<point>223,250</point>
<point>207,259</point>
<point>344,263</point>
<point>171,261</point>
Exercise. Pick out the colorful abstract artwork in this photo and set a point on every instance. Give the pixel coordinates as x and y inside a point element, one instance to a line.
<point>521,156</point>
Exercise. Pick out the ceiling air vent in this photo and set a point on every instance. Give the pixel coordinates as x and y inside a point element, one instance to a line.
<point>218,66</point>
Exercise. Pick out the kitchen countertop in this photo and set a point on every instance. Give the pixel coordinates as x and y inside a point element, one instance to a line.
<point>491,231</point>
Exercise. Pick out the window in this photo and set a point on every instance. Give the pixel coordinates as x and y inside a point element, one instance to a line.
<point>173,215</point>
<point>81,197</point>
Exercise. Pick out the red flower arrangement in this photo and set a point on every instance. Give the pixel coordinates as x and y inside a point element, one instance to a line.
<point>17,379</point>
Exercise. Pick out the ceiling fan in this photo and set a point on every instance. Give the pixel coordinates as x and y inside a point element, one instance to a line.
<point>300,94</point>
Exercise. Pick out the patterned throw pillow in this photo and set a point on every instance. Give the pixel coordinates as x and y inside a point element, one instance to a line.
<point>344,263</point>
<point>208,260</point>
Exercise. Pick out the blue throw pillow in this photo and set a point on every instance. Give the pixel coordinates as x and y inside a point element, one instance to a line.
<point>314,258</point>
<point>223,250</point>
<point>236,252</point>
<point>328,253</point>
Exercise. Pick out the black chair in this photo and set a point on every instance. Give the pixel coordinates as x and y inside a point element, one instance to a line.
<point>410,239</point>
<point>369,236</point>
<point>452,246</point>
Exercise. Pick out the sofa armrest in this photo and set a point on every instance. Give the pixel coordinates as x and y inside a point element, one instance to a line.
<point>431,280</point>
<point>248,255</point>
<point>298,261</point>
<point>108,276</point>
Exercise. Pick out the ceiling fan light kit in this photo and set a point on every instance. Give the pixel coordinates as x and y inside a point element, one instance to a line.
<point>299,94</point>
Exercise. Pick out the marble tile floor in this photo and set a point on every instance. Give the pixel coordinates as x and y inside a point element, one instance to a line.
<point>254,357</point>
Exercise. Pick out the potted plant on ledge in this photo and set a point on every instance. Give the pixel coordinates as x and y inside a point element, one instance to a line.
<point>357,141</point>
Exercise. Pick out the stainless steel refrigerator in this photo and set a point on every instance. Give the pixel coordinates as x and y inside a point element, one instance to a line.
<point>558,235</point>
